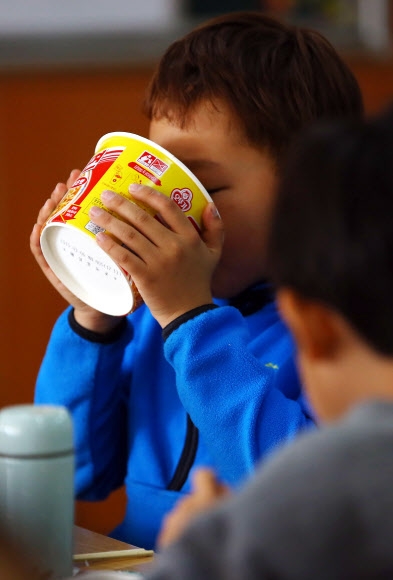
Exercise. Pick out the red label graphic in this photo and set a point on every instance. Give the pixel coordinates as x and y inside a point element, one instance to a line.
<point>96,168</point>
<point>183,198</point>
<point>145,172</point>
<point>90,176</point>
<point>71,212</point>
<point>152,162</point>
<point>82,180</point>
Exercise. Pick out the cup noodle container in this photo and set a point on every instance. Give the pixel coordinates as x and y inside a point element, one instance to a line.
<point>68,236</point>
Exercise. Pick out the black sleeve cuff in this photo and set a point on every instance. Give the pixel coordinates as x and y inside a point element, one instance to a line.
<point>106,338</point>
<point>172,326</point>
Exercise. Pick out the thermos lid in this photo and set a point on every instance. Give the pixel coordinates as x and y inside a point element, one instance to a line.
<point>35,430</point>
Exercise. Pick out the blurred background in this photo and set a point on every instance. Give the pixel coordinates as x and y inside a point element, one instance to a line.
<point>73,71</point>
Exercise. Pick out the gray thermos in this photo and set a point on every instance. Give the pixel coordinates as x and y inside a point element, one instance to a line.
<point>37,485</point>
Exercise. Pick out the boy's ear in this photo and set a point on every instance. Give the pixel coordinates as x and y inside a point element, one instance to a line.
<point>312,324</point>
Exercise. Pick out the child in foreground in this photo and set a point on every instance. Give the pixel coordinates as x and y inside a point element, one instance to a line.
<point>322,507</point>
<point>203,373</point>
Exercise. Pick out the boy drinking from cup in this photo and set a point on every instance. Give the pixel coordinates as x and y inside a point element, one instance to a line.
<point>203,373</point>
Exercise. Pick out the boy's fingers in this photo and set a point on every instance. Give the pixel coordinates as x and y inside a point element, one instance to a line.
<point>35,237</point>
<point>45,211</point>
<point>51,203</point>
<point>35,247</point>
<point>203,476</point>
<point>58,192</point>
<point>75,173</point>
<point>213,232</point>
<point>140,220</point>
<point>56,196</point>
<point>205,481</point>
<point>162,204</point>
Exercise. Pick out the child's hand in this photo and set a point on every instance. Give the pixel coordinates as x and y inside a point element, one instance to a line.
<point>85,315</point>
<point>171,265</point>
<point>45,211</point>
<point>207,491</point>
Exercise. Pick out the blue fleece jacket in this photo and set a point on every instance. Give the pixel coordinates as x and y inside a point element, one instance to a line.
<point>219,389</point>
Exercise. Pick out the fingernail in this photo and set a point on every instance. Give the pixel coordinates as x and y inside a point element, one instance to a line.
<point>107,195</point>
<point>101,237</point>
<point>215,212</point>
<point>135,187</point>
<point>95,211</point>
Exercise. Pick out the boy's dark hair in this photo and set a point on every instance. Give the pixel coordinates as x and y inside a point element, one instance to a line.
<point>274,76</point>
<point>331,236</point>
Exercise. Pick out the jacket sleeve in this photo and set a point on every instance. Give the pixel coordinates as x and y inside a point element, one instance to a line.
<point>89,378</point>
<point>237,380</point>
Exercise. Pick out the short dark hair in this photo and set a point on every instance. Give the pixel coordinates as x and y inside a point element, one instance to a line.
<point>275,77</point>
<point>331,235</point>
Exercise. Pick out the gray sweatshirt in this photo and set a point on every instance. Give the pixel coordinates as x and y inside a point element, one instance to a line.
<point>320,508</point>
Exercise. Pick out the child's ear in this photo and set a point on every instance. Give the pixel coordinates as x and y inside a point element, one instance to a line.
<point>313,325</point>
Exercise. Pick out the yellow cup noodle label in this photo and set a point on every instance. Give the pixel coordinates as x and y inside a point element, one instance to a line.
<point>120,161</point>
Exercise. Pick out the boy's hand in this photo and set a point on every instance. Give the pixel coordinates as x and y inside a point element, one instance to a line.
<point>171,265</point>
<point>84,315</point>
<point>207,491</point>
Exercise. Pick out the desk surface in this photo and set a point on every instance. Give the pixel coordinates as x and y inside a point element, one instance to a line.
<point>86,541</point>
